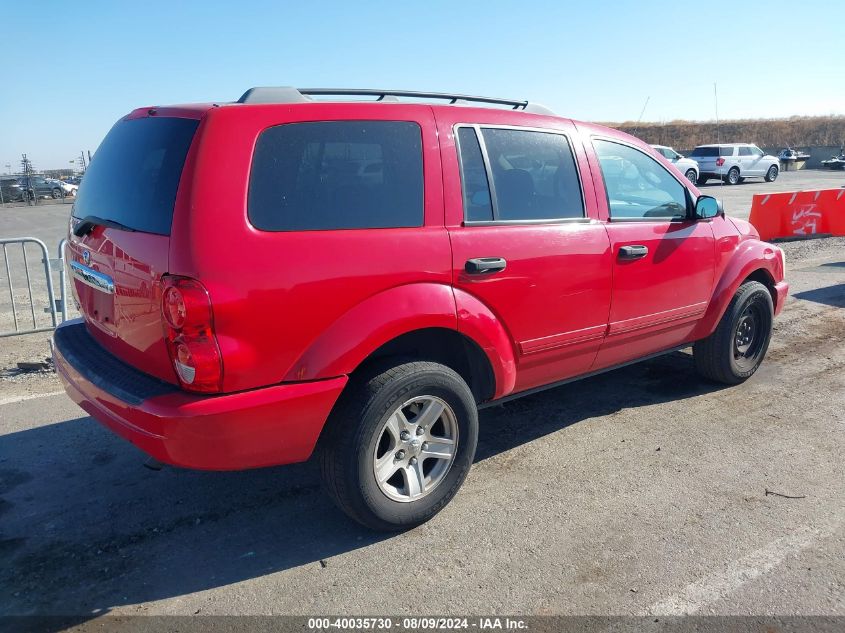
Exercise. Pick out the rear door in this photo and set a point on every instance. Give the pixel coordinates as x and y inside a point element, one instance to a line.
<point>663,261</point>
<point>127,202</point>
<point>523,242</point>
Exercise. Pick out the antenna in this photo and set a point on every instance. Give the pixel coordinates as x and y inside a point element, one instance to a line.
<point>716,101</point>
<point>718,134</point>
<point>642,112</point>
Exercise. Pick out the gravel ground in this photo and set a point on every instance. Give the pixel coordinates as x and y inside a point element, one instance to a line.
<point>641,491</point>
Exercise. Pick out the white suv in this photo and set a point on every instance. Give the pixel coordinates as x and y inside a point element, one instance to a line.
<point>686,166</point>
<point>734,162</point>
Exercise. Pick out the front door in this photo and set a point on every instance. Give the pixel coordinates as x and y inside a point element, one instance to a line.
<point>523,243</point>
<point>663,260</point>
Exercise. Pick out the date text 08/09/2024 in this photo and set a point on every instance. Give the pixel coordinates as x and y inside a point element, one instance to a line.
<point>416,623</point>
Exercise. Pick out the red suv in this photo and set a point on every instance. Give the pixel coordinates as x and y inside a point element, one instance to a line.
<point>288,275</point>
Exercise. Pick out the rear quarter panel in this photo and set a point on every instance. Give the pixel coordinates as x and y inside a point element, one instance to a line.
<point>276,294</point>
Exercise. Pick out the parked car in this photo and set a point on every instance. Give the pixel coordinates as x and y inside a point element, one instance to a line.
<point>687,166</point>
<point>288,302</point>
<point>16,188</point>
<point>11,189</point>
<point>734,162</point>
<point>68,189</point>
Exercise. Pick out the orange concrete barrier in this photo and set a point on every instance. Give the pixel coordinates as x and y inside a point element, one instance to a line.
<point>793,215</point>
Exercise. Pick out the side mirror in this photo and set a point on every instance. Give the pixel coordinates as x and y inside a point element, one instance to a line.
<point>707,207</point>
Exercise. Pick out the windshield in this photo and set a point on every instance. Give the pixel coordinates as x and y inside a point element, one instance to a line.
<point>133,177</point>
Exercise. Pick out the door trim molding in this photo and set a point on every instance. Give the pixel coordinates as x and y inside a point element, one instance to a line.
<point>682,314</point>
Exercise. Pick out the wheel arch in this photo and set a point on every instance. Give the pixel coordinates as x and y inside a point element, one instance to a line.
<point>752,261</point>
<point>425,321</point>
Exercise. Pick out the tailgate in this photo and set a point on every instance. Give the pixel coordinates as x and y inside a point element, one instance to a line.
<point>119,241</point>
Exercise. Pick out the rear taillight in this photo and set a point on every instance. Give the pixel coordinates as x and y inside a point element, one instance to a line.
<point>720,161</point>
<point>189,331</point>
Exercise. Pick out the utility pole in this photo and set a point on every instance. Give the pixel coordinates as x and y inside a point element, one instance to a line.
<point>82,164</point>
<point>26,168</point>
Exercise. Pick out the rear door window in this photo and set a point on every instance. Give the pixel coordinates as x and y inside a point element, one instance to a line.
<point>337,175</point>
<point>533,176</point>
<point>133,177</point>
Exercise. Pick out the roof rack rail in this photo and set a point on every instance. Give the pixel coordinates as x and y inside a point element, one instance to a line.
<point>286,94</point>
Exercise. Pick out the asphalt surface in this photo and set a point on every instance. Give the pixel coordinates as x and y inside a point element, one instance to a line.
<point>641,491</point>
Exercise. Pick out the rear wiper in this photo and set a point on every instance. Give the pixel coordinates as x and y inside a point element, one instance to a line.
<point>87,224</point>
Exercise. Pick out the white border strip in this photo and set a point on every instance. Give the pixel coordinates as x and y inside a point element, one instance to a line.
<point>31,396</point>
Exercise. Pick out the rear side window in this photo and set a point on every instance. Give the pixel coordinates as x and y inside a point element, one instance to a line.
<point>533,176</point>
<point>337,175</point>
<point>133,177</point>
<point>704,152</point>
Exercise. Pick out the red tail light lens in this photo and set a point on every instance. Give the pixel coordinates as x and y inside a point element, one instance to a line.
<point>720,162</point>
<point>189,331</point>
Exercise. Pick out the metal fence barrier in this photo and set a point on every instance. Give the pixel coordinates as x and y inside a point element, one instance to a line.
<point>55,306</point>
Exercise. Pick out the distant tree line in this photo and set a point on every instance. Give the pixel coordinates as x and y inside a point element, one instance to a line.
<point>796,132</point>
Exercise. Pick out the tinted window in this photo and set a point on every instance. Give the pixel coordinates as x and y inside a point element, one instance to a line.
<point>534,175</point>
<point>477,203</point>
<point>637,185</point>
<point>705,151</point>
<point>745,151</point>
<point>134,175</point>
<point>337,175</point>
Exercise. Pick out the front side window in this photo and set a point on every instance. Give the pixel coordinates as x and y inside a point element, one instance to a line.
<point>337,175</point>
<point>532,176</point>
<point>756,151</point>
<point>637,185</point>
<point>745,151</point>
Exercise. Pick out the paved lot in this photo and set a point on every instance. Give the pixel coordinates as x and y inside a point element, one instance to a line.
<point>642,491</point>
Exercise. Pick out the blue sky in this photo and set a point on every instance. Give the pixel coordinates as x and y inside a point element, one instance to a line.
<point>80,66</point>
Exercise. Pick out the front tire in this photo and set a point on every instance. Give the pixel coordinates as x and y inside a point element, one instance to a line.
<point>399,444</point>
<point>772,174</point>
<point>734,351</point>
<point>56,193</point>
<point>691,176</point>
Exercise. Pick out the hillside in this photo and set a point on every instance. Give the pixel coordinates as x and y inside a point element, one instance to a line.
<point>794,131</point>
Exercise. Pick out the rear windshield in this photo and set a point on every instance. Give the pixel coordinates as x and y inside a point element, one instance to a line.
<point>134,175</point>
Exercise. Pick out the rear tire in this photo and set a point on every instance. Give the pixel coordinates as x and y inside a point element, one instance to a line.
<point>384,423</point>
<point>691,176</point>
<point>733,177</point>
<point>734,351</point>
<point>772,174</point>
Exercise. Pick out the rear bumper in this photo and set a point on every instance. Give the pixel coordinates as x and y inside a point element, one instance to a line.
<point>249,429</point>
<point>781,289</point>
